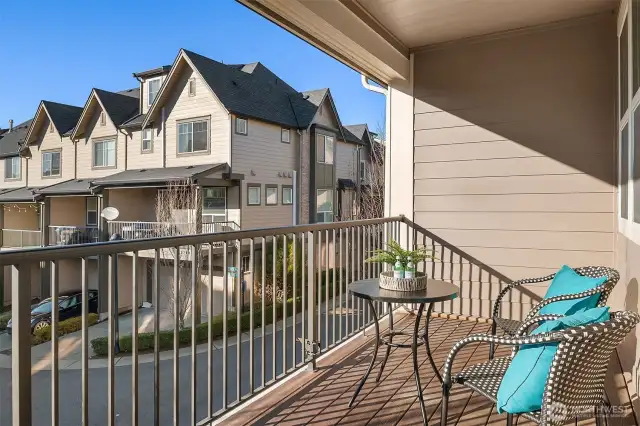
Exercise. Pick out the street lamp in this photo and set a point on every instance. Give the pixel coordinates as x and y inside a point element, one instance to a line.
<point>111,213</point>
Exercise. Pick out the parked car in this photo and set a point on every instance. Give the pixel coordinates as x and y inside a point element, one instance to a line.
<point>69,306</point>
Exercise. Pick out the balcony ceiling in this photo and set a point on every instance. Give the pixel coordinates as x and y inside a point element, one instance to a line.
<point>419,23</point>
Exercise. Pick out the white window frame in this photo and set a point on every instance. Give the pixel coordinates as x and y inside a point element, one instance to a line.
<point>289,189</point>
<point>285,136</point>
<point>149,100</point>
<point>191,123</point>
<point>273,189</point>
<point>191,87</point>
<point>103,118</point>
<point>91,210</point>
<point>143,139</point>
<point>325,138</point>
<point>246,126</point>
<point>51,153</point>
<point>325,212</point>
<point>9,164</point>
<point>115,153</point>
<point>259,188</point>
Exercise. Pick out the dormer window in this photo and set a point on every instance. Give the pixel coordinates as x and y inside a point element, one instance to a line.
<point>103,119</point>
<point>153,87</point>
<point>192,87</point>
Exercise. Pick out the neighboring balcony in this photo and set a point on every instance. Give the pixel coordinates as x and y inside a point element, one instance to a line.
<point>67,235</point>
<point>134,230</point>
<point>21,238</point>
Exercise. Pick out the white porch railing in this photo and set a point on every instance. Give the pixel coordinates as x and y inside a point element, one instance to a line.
<point>20,238</point>
<point>134,230</point>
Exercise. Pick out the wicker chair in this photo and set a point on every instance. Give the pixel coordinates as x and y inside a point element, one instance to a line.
<point>576,379</point>
<point>511,326</point>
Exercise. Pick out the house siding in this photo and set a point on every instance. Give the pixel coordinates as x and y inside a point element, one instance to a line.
<point>20,216</point>
<point>181,106</point>
<point>85,147</point>
<point>68,211</point>
<point>47,141</point>
<point>14,183</point>
<point>346,160</point>
<point>514,158</point>
<point>136,159</point>
<point>135,204</point>
<point>260,156</point>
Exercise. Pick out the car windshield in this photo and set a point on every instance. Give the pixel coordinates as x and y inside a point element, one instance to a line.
<point>45,306</point>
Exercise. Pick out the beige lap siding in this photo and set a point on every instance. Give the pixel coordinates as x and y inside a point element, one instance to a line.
<point>47,141</point>
<point>514,155</point>
<point>20,216</point>
<point>260,156</point>
<point>136,204</point>
<point>68,211</point>
<point>136,159</point>
<point>180,106</point>
<point>84,146</point>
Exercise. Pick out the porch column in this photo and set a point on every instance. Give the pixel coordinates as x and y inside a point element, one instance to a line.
<point>103,261</point>
<point>45,267</point>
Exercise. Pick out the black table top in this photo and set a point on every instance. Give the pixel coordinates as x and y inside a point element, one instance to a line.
<point>436,291</point>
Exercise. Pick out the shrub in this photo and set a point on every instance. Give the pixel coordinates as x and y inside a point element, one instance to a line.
<point>64,327</point>
<point>4,320</point>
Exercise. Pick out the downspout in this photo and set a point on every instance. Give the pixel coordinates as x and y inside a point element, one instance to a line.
<point>141,92</point>
<point>126,148</point>
<point>164,139</point>
<point>387,146</point>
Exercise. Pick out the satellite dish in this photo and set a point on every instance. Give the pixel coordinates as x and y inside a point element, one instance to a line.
<point>110,213</point>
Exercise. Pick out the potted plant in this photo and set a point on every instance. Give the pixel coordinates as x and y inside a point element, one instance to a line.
<point>401,260</point>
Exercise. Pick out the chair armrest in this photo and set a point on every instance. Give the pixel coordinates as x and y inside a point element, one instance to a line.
<point>555,336</point>
<point>514,284</point>
<point>580,295</point>
<point>524,327</point>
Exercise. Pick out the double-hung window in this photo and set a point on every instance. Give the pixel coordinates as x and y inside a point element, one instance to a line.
<point>193,136</point>
<point>92,211</point>
<point>147,140</point>
<point>285,136</point>
<point>50,163</point>
<point>104,153</point>
<point>324,198</point>
<point>324,149</point>
<point>242,126</point>
<point>12,168</point>
<point>629,119</point>
<point>363,170</point>
<point>153,87</point>
<point>253,194</point>
<point>271,195</point>
<point>287,195</point>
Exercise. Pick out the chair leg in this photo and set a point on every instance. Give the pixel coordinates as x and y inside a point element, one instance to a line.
<point>509,419</point>
<point>494,329</point>
<point>445,405</point>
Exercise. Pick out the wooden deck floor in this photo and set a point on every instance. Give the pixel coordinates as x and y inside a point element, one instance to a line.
<point>321,397</point>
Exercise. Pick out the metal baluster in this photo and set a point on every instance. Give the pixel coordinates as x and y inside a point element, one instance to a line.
<point>251,311</point>
<point>111,311</point>
<point>263,313</point>
<point>210,390</point>
<point>225,316</point>
<point>319,288</point>
<point>274,291</point>
<point>134,339</point>
<point>326,290</point>
<point>340,254</point>
<point>333,295</point>
<point>295,301</point>
<point>176,337</point>
<point>55,374</point>
<point>239,309</point>
<point>285,250</point>
<point>311,332</point>
<point>85,343</point>
<point>195,259</point>
<point>304,300</point>
<point>156,338</point>
<point>21,346</point>
<point>348,319</point>
<point>353,275</point>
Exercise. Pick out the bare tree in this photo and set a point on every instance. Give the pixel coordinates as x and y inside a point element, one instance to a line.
<point>179,212</point>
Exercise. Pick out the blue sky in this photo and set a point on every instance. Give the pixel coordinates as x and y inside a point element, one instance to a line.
<point>59,50</point>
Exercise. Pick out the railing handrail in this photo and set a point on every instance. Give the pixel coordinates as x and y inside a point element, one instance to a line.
<point>20,230</point>
<point>43,254</point>
<point>74,226</point>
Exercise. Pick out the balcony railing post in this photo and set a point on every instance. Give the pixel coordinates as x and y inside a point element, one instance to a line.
<point>312,336</point>
<point>21,344</point>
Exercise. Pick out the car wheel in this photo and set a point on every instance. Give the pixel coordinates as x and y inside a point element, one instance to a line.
<point>40,325</point>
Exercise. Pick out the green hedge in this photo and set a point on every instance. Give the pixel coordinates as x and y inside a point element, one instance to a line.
<point>64,327</point>
<point>4,320</point>
<point>100,345</point>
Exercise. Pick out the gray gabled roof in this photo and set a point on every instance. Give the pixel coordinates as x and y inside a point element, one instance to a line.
<point>69,187</point>
<point>156,176</point>
<point>306,104</point>
<point>254,95</point>
<point>10,140</point>
<point>355,133</point>
<point>64,117</point>
<point>118,106</point>
<point>135,122</point>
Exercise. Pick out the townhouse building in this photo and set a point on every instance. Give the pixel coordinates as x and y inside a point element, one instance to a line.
<point>255,151</point>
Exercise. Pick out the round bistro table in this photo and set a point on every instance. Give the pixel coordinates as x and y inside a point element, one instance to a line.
<point>436,291</point>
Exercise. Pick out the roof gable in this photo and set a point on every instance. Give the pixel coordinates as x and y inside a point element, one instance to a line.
<point>63,117</point>
<point>118,107</point>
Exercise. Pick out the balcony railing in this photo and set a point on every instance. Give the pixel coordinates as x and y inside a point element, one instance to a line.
<point>67,235</point>
<point>311,314</point>
<point>21,238</point>
<point>133,230</point>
